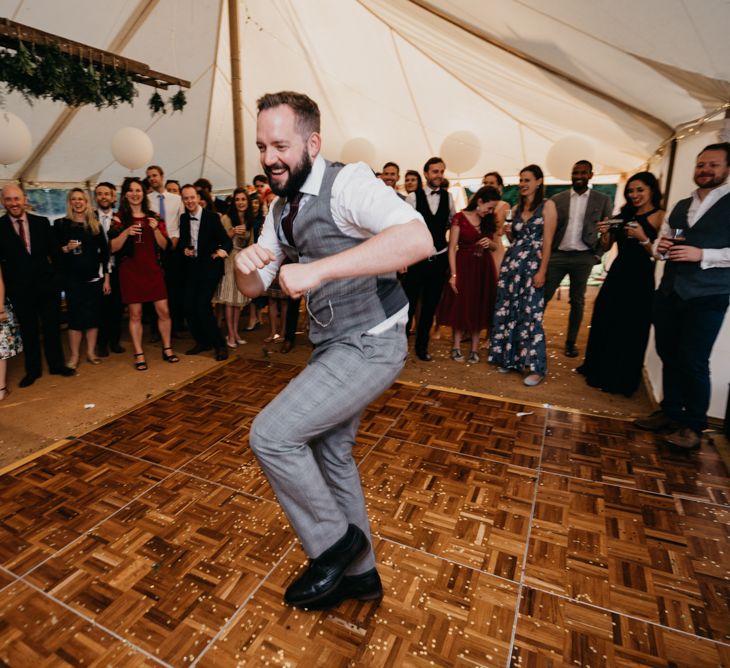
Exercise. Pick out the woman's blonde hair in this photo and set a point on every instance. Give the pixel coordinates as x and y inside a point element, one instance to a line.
<point>90,221</point>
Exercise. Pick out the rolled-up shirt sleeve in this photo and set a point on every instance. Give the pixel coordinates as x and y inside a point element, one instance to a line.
<point>715,258</point>
<point>269,240</point>
<point>362,205</point>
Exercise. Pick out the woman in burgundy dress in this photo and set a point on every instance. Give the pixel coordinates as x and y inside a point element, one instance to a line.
<point>138,237</point>
<point>469,303</point>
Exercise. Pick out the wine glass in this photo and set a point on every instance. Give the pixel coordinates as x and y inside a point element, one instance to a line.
<point>676,235</point>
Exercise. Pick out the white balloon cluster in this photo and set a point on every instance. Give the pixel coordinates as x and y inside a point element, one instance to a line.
<point>132,148</point>
<point>15,139</point>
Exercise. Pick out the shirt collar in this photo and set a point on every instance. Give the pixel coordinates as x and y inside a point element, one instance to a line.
<point>715,193</point>
<point>314,180</point>
<point>197,213</point>
<point>585,194</point>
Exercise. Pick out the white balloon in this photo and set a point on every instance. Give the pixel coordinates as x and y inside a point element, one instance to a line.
<point>132,148</point>
<point>15,139</point>
<point>461,151</point>
<point>565,152</point>
<point>358,150</point>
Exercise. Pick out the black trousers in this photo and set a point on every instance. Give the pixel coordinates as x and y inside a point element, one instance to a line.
<point>199,291</point>
<point>685,331</point>
<point>110,324</point>
<point>39,312</point>
<point>425,281</point>
<point>175,284</point>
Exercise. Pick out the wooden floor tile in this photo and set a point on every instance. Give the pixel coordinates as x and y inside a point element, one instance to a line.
<point>173,429</point>
<point>660,559</point>
<point>473,511</point>
<point>50,501</point>
<point>36,631</point>
<point>171,568</point>
<point>6,577</point>
<point>613,451</point>
<point>474,426</point>
<point>433,613</point>
<point>554,632</point>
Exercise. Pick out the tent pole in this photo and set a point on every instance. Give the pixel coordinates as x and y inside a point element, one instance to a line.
<point>236,91</point>
<point>670,169</point>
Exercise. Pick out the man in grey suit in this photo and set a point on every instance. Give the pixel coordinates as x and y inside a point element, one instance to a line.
<point>575,246</point>
<point>344,233</point>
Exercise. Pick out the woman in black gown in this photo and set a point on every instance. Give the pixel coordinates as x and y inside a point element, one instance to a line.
<point>622,312</point>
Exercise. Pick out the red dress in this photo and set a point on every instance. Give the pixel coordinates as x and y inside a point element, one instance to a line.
<point>140,274</point>
<point>472,308</point>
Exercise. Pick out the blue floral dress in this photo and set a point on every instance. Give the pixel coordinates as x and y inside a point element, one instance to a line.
<point>10,342</point>
<point>518,337</point>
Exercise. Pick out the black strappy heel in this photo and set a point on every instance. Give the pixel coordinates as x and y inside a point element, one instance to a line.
<point>140,365</point>
<point>172,358</point>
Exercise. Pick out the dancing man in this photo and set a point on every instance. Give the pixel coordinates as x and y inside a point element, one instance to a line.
<point>344,233</point>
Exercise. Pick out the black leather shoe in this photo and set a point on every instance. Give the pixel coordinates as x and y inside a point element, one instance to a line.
<point>364,587</point>
<point>116,348</point>
<point>197,349</point>
<point>424,356</point>
<point>63,371</point>
<point>571,350</point>
<point>221,354</point>
<point>325,573</point>
<point>27,380</point>
<point>102,351</point>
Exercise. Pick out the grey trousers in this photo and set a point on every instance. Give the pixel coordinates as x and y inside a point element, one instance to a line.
<point>304,438</point>
<point>578,266</point>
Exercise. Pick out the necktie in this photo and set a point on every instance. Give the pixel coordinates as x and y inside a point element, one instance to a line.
<point>161,197</point>
<point>288,223</point>
<point>21,234</point>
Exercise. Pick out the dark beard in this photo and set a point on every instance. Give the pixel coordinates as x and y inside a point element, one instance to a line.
<point>297,176</point>
<point>716,181</point>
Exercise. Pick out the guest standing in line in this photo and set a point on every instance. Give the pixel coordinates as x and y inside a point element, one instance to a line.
<point>29,259</point>
<point>236,224</point>
<point>518,339</point>
<point>138,239</point>
<point>501,212</point>
<point>85,270</point>
<point>622,311</point>
<point>412,181</point>
<point>255,215</point>
<point>10,342</point>
<point>467,305</point>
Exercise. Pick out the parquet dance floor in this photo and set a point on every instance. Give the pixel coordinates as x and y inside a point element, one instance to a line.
<point>506,534</point>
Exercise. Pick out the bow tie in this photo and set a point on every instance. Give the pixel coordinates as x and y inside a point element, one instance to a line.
<point>193,218</point>
<point>435,192</point>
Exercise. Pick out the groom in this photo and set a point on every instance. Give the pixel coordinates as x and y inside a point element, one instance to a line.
<point>344,233</point>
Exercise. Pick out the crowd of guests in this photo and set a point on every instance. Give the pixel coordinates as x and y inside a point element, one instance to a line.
<point>167,252</point>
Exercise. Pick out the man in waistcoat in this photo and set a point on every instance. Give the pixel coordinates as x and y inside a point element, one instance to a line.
<point>344,233</point>
<point>425,280</point>
<point>692,298</point>
<point>575,246</point>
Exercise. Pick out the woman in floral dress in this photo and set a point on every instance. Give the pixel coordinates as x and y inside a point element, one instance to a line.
<point>518,339</point>
<point>10,343</point>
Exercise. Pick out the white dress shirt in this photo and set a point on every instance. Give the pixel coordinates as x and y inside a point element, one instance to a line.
<point>105,219</point>
<point>361,206</point>
<point>195,227</point>
<point>711,257</point>
<point>573,237</point>
<point>173,210</point>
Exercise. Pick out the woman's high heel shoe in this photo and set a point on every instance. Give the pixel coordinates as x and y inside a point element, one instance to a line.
<point>140,364</point>
<point>170,357</point>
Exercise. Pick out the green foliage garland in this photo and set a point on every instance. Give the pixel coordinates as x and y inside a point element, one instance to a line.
<point>44,71</point>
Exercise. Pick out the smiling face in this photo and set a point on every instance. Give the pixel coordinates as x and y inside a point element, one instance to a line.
<point>491,181</point>
<point>411,183</point>
<point>638,193</point>
<point>435,175</point>
<point>156,181</point>
<point>191,199</point>
<point>241,202</point>
<point>104,197</point>
<point>78,203</point>
<point>286,155</point>
<point>711,169</point>
<point>14,200</point>
<point>484,208</point>
<point>135,194</point>
<point>581,176</point>
<point>529,184</point>
<point>390,176</point>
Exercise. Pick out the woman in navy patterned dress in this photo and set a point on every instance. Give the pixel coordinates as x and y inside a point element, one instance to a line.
<point>518,338</point>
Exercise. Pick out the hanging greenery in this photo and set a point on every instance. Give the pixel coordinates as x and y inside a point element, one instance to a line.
<point>46,72</point>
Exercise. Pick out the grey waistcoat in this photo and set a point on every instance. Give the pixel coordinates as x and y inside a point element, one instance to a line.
<point>341,307</point>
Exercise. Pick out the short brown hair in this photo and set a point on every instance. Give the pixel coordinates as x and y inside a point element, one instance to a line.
<point>157,167</point>
<point>305,109</point>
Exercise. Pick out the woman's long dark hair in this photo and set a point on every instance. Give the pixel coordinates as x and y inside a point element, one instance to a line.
<point>628,210</point>
<point>540,192</point>
<point>233,214</point>
<point>125,210</point>
<point>487,224</point>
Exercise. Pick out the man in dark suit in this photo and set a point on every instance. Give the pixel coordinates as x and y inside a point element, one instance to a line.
<point>575,246</point>
<point>205,246</point>
<point>29,256</point>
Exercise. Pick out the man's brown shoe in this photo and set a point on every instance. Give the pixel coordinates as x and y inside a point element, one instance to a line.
<point>685,438</point>
<point>657,421</point>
